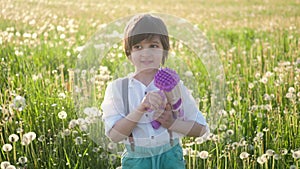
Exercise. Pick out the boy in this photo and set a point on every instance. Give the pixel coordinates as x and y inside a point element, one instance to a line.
<point>146,44</point>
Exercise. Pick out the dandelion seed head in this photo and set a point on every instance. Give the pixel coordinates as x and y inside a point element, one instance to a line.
<point>113,157</point>
<point>262,159</point>
<point>243,143</point>
<point>7,147</point>
<point>215,138</point>
<point>62,115</point>
<point>229,132</point>
<point>92,111</point>
<point>81,121</point>
<point>222,127</point>
<point>293,167</point>
<point>41,138</point>
<point>10,167</point>
<point>269,74</point>
<point>19,103</point>
<point>189,144</point>
<point>265,129</point>
<point>234,145</point>
<point>229,98</point>
<point>72,123</point>
<point>283,151</point>
<point>250,85</point>
<point>296,154</point>
<point>188,74</point>
<point>31,135</point>
<point>257,75</point>
<point>62,95</point>
<point>13,138</point>
<point>244,155</point>
<point>78,140</point>
<point>19,130</point>
<point>199,140</point>
<point>260,134</point>
<point>203,154</point>
<point>291,90</point>
<point>83,127</point>
<point>232,112</point>
<point>270,152</point>
<point>267,97</point>
<point>222,113</point>
<point>96,149</point>
<point>264,80</point>
<point>28,138</point>
<point>289,95</point>
<point>22,160</point>
<point>4,164</point>
<point>186,151</point>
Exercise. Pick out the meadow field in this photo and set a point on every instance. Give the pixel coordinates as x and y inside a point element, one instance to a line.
<point>45,123</point>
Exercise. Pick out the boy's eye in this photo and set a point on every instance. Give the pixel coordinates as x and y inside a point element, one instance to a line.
<point>154,46</point>
<point>137,47</point>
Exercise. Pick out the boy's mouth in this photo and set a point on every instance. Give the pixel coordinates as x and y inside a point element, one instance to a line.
<point>147,62</point>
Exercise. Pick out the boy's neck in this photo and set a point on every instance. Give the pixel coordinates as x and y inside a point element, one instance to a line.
<point>145,77</point>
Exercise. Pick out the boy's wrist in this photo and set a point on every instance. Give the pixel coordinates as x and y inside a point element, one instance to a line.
<point>174,126</point>
<point>135,115</point>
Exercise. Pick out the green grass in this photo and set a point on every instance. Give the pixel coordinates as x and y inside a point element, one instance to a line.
<point>258,45</point>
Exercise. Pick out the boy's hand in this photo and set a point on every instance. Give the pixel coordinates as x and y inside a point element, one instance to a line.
<point>152,101</point>
<point>166,117</point>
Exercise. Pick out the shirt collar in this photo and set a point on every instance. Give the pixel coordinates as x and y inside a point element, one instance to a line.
<point>132,82</point>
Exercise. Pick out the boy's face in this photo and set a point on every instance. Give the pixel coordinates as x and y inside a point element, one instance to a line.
<point>147,54</point>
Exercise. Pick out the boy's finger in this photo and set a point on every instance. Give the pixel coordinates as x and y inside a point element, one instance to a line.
<point>168,107</point>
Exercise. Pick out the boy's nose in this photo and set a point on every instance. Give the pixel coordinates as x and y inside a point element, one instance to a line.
<point>146,52</point>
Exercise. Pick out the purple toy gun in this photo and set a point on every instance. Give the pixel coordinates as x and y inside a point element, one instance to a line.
<point>167,81</point>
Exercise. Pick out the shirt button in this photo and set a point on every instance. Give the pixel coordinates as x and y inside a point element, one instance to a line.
<point>146,115</point>
<point>152,137</point>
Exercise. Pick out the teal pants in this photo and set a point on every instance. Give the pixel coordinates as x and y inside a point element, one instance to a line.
<point>154,158</point>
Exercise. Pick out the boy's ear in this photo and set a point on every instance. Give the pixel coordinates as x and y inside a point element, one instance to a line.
<point>129,57</point>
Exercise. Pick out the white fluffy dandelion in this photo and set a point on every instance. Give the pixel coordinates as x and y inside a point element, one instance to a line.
<point>78,141</point>
<point>19,103</point>
<point>260,134</point>
<point>72,123</point>
<point>229,132</point>
<point>264,80</point>
<point>283,151</point>
<point>10,167</point>
<point>28,138</point>
<point>4,164</point>
<point>112,146</point>
<point>62,115</point>
<point>270,152</point>
<point>203,154</point>
<point>262,159</point>
<point>13,138</point>
<point>199,140</point>
<point>7,147</point>
<point>244,155</point>
<point>293,167</point>
<point>22,160</point>
<point>92,111</point>
<point>296,154</point>
<point>188,73</point>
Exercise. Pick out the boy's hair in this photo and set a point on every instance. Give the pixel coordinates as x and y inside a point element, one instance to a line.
<point>145,26</point>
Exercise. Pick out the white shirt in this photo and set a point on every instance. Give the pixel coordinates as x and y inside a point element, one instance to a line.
<point>144,134</point>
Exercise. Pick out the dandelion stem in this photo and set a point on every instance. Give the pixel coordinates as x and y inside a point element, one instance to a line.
<point>15,154</point>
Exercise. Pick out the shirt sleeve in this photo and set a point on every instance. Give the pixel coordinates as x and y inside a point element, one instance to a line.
<point>190,108</point>
<point>112,105</point>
